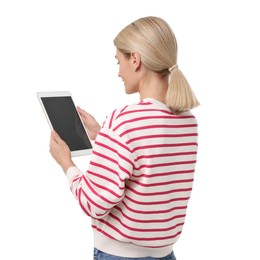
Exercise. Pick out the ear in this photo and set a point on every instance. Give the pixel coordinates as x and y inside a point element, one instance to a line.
<point>136,59</point>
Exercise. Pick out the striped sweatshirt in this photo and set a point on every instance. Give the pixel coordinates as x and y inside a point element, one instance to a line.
<point>139,179</point>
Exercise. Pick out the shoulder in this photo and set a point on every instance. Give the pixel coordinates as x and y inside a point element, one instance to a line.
<point>145,112</point>
<point>118,115</point>
<point>126,113</point>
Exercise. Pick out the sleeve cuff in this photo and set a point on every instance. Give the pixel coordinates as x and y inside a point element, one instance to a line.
<point>72,172</point>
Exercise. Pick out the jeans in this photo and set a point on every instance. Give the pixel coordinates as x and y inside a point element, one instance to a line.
<point>99,255</point>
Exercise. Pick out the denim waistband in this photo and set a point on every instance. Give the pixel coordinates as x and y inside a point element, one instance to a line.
<point>99,255</point>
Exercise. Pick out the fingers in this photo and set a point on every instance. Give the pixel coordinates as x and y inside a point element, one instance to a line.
<point>60,151</point>
<point>56,143</point>
<point>81,111</point>
<point>55,136</point>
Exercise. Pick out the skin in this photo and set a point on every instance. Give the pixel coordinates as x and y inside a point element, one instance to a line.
<point>137,79</point>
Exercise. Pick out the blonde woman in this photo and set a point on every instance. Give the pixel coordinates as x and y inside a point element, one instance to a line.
<point>138,183</point>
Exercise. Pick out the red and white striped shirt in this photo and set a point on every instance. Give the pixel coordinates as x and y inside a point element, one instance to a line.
<point>139,179</point>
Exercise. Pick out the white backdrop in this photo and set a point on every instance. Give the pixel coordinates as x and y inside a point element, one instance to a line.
<point>68,45</point>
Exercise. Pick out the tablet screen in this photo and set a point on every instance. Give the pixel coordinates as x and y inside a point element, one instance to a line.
<point>65,120</point>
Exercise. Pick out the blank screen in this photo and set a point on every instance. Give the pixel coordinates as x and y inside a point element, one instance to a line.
<point>66,122</point>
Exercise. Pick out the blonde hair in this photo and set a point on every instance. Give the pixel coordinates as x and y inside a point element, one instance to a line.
<point>155,41</point>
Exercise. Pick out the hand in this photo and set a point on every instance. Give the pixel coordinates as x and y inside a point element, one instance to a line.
<point>60,151</point>
<point>90,123</point>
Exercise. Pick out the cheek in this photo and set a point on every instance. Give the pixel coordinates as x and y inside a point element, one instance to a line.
<point>122,74</point>
<point>121,71</point>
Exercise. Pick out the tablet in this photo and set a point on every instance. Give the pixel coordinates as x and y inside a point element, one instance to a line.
<point>62,116</point>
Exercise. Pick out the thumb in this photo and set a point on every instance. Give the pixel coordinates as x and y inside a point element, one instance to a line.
<point>55,136</point>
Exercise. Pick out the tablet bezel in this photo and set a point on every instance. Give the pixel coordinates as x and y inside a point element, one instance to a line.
<point>43,94</point>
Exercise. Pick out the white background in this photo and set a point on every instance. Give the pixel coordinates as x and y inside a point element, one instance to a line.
<point>68,45</point>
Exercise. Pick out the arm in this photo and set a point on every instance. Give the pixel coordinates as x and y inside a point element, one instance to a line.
<point>102,186</point>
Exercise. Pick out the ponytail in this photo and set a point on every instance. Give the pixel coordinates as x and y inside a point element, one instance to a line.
<point>179,96</point>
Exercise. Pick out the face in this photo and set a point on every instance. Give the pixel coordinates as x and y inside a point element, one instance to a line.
<point>127,72</point>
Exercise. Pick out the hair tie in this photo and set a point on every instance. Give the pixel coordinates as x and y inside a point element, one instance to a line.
<point>173,68</point>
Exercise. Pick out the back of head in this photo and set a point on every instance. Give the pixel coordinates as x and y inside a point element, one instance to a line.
<point>155,41</point>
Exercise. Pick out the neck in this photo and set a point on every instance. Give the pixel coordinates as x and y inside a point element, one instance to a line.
<point>153,87</point>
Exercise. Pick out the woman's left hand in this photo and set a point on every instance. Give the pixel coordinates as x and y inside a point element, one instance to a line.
<point>60,151</point>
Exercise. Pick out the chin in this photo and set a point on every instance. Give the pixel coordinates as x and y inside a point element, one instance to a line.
<point>130,90</point>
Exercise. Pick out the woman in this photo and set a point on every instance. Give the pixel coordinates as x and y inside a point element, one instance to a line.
<point>139,180</point>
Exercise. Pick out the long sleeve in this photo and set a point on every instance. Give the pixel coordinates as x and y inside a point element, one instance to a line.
<point>102,186</point>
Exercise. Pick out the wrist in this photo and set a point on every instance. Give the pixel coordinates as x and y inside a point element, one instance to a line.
<point>66,165</point>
